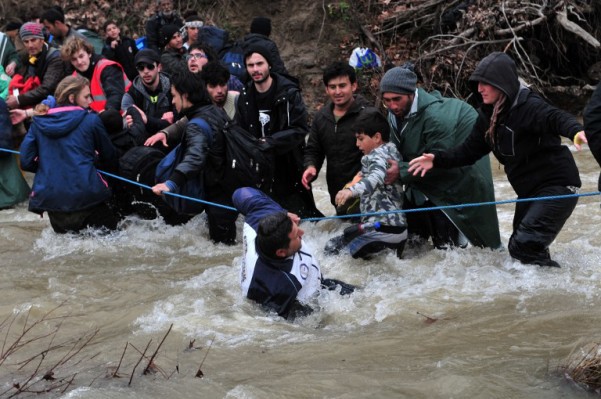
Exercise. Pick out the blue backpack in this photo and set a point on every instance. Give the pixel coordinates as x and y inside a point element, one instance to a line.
<point>193,188</point>
<point>232,56</point>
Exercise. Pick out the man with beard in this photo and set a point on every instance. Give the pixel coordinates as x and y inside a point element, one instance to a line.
<point>165,16</point>
<point>333,131</point>
<point>150,93</point>
<point>54,22</point>
<point>422,122</point>
<point>43,64</point>
<point>271,108</point>
<point>216,77</point>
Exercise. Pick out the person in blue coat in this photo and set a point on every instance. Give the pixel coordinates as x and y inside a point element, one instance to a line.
<point>279,270</point>
<point>63,147</point>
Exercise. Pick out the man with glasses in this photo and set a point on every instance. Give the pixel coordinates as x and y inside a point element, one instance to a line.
<point>199,55</point>
<point>278,270</point>
<point>165,16</point>
<point>150,93</point>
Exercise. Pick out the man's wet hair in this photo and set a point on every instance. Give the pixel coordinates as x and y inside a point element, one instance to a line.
<point>214,73</point>
<point>371,121</point>
<point>272,233</point>
<point>339,69</point>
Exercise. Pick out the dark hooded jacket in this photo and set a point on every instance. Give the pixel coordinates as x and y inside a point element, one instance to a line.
<point>61,148</point>
<point>526,139</point>
<point>286,137</point>
<point>335,140</point>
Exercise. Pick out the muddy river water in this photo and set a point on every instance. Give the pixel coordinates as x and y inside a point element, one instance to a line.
<point>497,328</point>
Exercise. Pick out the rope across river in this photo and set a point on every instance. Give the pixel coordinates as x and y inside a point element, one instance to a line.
<point>355,215</point>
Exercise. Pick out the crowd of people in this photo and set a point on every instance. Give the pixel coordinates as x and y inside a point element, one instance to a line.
<point>166,108</point>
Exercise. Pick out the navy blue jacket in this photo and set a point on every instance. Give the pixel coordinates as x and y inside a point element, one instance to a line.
<point>277,284</point>
<point>61,148</point>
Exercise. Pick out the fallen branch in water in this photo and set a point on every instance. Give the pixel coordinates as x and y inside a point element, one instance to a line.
<point>199,373</point>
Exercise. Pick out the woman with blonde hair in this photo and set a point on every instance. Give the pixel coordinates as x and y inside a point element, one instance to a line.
<point>62,147</point>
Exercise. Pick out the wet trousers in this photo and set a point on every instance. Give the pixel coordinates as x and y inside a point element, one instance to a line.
<point>537,223</point>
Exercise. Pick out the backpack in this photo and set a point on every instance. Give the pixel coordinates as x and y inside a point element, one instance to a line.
<point>138,164</point>
<point>232,56</point>
<point>241,160</point>
<point>194,187</point>
<point>214,37</point>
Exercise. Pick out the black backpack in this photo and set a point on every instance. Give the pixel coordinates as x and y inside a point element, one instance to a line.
<point>139,164</point>
<point>238,159</point>
<point>232,56</point>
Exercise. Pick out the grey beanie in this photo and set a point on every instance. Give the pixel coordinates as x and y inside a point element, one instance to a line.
<point>398,80</point>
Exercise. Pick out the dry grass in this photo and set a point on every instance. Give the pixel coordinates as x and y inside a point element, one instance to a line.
<point>583,367</point>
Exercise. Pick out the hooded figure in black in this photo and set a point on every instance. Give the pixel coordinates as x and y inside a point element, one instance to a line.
<point>523,132</point>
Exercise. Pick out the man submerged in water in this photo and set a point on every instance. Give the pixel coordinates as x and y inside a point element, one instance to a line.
<point>278,270</point>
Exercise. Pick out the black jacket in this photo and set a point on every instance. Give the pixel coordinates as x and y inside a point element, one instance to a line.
<point>195,144</point>
<point>592,123</point>
<point>335,140</point>
<point>153,28</point>
<point>527,137</point>
<point>287,128</point>
<point>123,53</point>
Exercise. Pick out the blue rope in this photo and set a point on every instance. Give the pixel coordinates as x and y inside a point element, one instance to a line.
<point>355,215</point>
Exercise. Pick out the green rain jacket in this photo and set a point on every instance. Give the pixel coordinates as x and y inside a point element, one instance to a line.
<point>441,123</point>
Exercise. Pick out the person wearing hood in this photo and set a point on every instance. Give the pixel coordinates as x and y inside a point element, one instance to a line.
<point>165,15</point>
<point>524,133</point>
<point>108,82</point>
<point>424,121</point>
<point>272,109</point>
<point>63,147</point>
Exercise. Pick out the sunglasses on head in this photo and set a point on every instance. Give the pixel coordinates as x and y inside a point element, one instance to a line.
<point>140,67</point>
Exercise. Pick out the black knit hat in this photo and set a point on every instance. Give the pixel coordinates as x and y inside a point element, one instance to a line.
<point>261,25</point>
<point>167,33</point>
<point>257,48</point>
